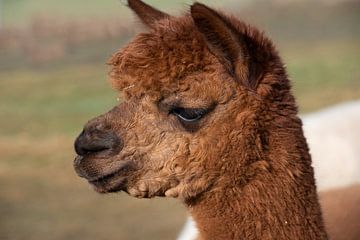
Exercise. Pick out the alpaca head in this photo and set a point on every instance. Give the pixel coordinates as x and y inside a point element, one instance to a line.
<point>196,90</point>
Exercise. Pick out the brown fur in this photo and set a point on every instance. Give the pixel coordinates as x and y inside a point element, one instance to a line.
<point>243,169</point>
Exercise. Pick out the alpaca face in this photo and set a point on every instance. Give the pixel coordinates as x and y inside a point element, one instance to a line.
<point>165,144</point>
<point>193,90</point>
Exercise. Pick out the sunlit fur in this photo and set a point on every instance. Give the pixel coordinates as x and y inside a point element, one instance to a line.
<point>243,170</point>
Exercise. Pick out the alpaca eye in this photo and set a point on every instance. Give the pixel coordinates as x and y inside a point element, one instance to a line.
<point>188,115</point>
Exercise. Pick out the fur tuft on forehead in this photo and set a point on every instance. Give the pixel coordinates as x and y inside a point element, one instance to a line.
<point>158,60</point>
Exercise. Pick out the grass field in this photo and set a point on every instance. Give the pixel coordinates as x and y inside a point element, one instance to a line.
<point>44,106</point>
<point>20,12</point>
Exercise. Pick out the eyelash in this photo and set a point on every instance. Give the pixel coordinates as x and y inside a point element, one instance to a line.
<point>189,115</point>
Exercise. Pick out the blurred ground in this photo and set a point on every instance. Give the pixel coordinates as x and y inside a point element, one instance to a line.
<point>53,78</point>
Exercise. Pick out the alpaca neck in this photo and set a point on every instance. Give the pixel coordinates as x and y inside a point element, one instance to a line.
<point>278,202</point>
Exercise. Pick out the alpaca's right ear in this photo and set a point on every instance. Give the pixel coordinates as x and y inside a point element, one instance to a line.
<point>223,41</point>
<point>146,13</point>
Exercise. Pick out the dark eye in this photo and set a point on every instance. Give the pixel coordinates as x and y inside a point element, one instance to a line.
<point>189,115</point>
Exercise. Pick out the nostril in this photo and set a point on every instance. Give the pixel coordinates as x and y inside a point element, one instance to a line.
<point>84,150</point>
<point>90,142</point>
<point>93,148</point>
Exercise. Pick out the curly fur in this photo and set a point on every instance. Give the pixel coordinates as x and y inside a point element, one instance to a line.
<point>244,169</point>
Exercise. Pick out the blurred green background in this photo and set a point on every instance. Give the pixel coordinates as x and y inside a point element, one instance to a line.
<point>53,78</point>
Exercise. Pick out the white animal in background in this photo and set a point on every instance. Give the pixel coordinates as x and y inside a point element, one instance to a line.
<point>333,135</point>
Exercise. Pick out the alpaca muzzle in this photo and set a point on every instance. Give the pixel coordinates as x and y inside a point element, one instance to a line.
<point>95,144</point>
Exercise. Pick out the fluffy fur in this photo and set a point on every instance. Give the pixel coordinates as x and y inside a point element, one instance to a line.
<point>243,169</point>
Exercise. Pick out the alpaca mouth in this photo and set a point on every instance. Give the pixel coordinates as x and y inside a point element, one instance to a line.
<point>109,181</point>
<point>104,178</point>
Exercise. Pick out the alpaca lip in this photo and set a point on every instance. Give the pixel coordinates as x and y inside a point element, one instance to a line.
<point>115,173</point>
<point>77,162</point>
<point>79,159</point>
<point>103,178</point>
<point>122,167</point>
<point>107,184</point>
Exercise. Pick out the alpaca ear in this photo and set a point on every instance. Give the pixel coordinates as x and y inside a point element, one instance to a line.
<point>227,44</point>
<point>146,13</point>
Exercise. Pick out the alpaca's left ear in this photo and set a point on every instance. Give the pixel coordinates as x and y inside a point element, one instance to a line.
<point>223,41</point>
<point>146,13</point>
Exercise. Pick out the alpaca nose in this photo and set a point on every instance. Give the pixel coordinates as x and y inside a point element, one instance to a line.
<point>94,140</point>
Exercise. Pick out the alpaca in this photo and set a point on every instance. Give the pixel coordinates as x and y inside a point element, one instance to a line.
<point>208,117</point>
